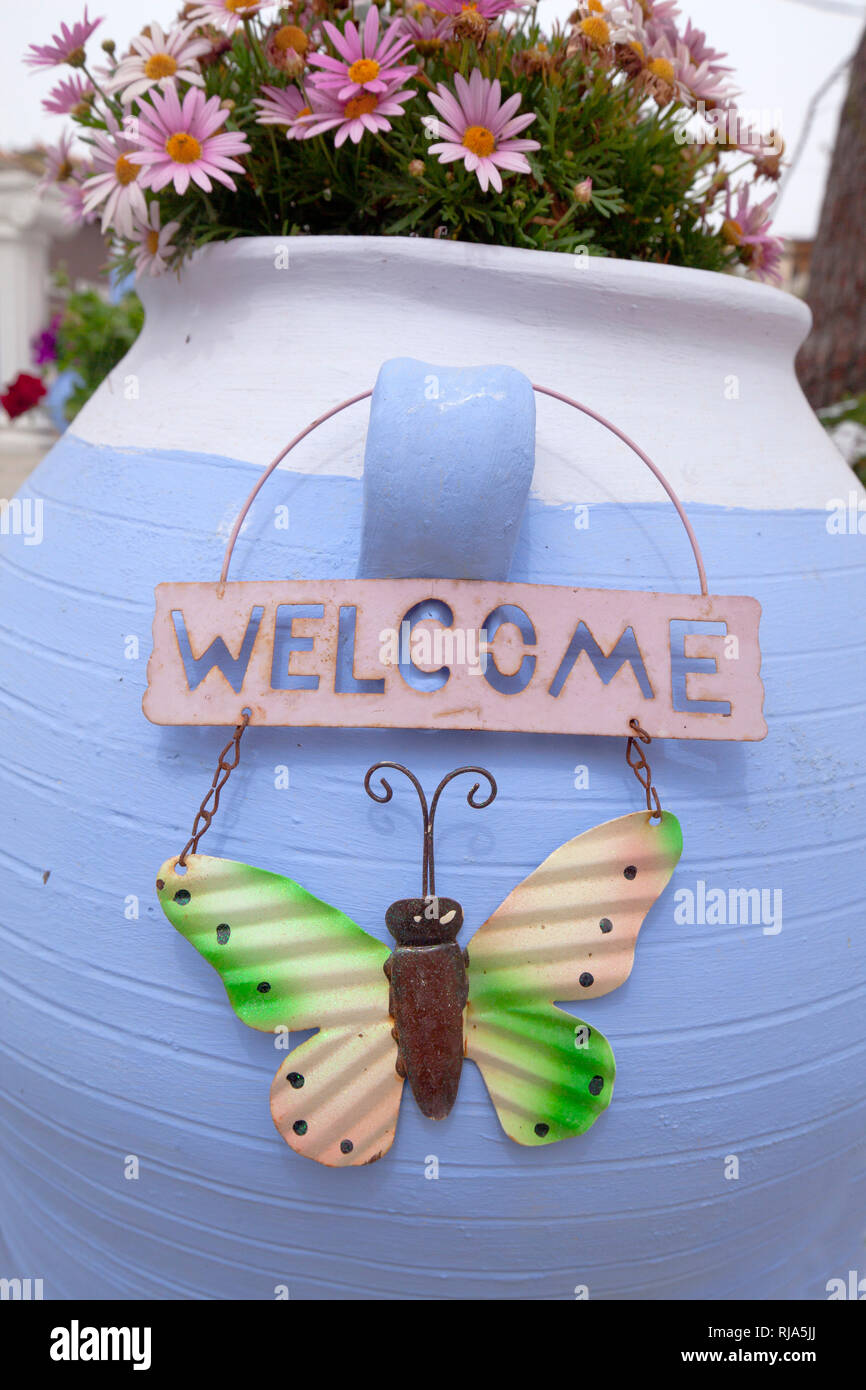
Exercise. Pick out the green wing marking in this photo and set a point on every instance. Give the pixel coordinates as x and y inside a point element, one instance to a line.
<point>549,1074</point>
<point>285,957</point>
<point>567,932</point>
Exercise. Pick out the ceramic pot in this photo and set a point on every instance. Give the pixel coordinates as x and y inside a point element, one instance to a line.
<point>139,1156</point>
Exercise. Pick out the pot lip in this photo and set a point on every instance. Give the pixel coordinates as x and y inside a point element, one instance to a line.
<point>648,279</point>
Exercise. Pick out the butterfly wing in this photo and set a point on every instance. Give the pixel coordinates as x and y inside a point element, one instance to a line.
<point>567,932</point>
<point>336,1097</point>
<point>289,960</point>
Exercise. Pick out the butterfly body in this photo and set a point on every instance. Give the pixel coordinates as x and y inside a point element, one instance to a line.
<point>428,993</point>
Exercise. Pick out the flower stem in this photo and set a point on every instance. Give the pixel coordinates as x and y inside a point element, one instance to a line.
<point>111,102</point>
<point>255,46</point>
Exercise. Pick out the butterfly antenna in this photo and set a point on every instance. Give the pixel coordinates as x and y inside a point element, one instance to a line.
<point>476,805</point>
<point>385,794</point>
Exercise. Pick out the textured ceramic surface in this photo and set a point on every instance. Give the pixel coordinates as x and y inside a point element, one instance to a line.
<point>734,1040</point>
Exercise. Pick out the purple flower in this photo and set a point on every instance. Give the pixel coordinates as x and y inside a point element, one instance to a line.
<point>44,345</point>
<point>366,63</point>
<point>65,47</point>
<point>748,228</point>
<point>480,128</point>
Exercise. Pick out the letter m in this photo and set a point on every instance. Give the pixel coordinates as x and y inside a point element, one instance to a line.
<point>624,652</point>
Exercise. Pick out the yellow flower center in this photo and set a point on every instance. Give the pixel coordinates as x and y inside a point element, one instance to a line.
<point>305,111</point>
<point>64,171</point>
<point>290,36</point>
<point>420,10</point>
<point>160,65</point>
<point>663,68</point>
<point>152,241</point>
<point>362,105</point>
<point>637,47</point>
<point>479,140</point>
<point>125,172</point>
<point>239,6</point>
<point>183,148</point>
<point>732,232</point>
<point>364,70</point>
<point>595,29</point>
<point>595,6</point>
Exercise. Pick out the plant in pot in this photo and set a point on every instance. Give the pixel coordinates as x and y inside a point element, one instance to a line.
<point>337,187</point>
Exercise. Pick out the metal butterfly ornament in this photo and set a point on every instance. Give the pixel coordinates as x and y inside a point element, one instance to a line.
<point>290,961</point>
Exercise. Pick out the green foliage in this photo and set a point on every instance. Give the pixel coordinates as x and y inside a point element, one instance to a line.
<point>617,172</point>
<point>652,196</point>
<point>93,336</point>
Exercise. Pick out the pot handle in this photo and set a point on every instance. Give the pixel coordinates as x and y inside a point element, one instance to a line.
<point>540,390</point>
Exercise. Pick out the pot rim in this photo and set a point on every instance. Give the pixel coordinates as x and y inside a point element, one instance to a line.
<point>646,279</point>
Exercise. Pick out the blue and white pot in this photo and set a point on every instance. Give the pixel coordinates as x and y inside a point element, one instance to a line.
<point>138,1154</point>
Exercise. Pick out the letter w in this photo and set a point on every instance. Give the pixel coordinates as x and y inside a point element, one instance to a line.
<point>234,668</point>
<point>625,652</point>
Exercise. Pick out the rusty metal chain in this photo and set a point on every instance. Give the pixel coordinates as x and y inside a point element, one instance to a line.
<point>636,760</point>
<point>224,769</point>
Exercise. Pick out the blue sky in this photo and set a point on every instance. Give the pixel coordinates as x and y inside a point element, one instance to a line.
<point>781,51</point>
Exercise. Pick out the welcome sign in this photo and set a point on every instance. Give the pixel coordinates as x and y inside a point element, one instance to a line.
<point>456,654</point>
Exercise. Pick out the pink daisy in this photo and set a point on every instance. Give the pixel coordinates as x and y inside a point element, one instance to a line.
<point>426,33</point>
<point>72,192</point>
<point>748,228</point>
<point>642,22</point>
<point>367,63</point>
<point>59,162</point>
<point>69,94</point>
<point>480,128</point>
<point>366,111</point>
<point>660,18</point>
<point>285,106</point>
<point>180,143</point>
<point>695,41</point>
<point>154,242</point>
<point>227,14</point>
<point>488,9</point>
<point>115,183</point>
<point>159,59</point>
<point>701,81</point>
<point>65,47</point>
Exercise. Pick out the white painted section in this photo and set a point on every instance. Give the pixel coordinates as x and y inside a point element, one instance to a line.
<point>243,351</point>
<point>29,221</point>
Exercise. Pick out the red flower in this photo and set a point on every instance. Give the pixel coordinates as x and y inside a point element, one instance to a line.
<point>25,392</point>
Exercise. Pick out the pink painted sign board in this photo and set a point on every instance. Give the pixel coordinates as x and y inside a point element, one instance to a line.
<point>559,661</point>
